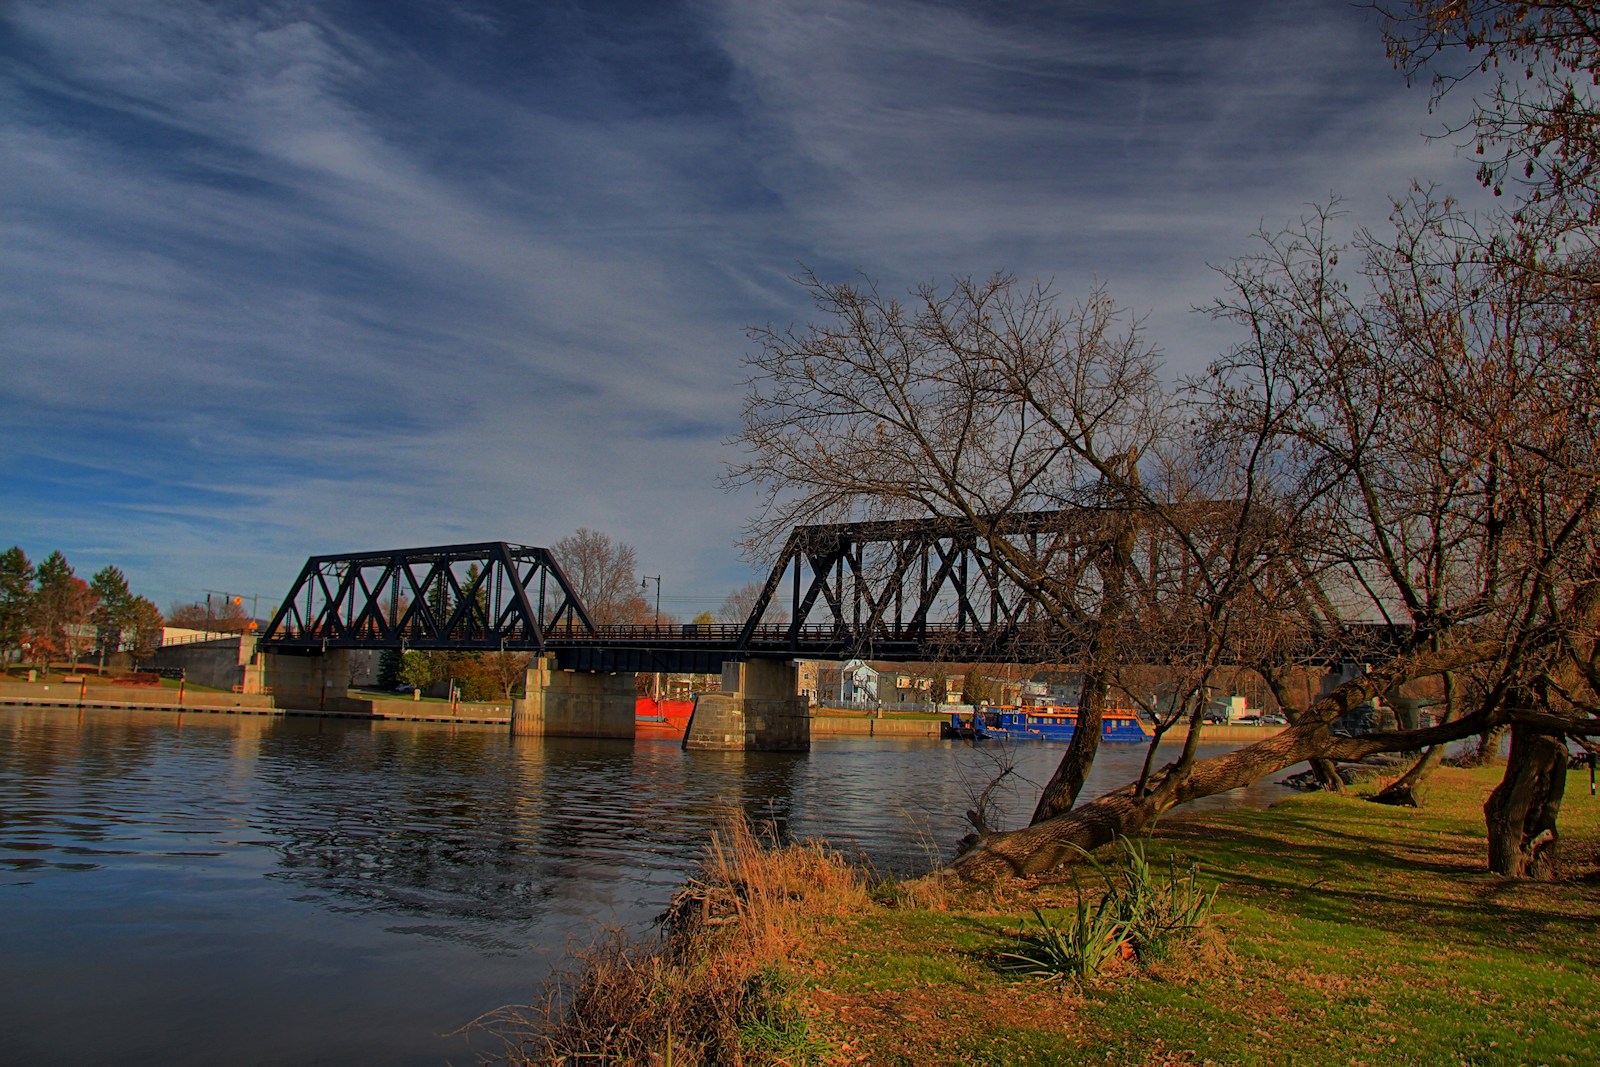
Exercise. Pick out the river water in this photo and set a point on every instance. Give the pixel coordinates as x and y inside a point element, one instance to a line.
<point>201,889</point>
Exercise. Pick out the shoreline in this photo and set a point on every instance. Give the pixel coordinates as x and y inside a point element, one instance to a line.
<point>826,723</point>
<point>1342,932</point>
<point>244,704</point>
<point>829,722</point>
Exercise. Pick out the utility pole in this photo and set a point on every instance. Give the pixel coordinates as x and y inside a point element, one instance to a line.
<point>655,676</point>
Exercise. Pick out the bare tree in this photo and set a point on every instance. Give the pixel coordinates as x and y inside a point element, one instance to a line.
<point>604,574</point>
<point>1535,121</point>
<point>976,406</point>
<point>507,669</point>
<point>743,600</point>
<point>224,615</point>
<point>1338,481</point>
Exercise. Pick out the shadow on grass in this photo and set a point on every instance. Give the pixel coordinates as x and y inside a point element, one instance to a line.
<point>1326,866</point>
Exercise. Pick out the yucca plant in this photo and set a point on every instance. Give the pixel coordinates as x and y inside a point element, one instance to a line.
<point>1079,950</point>
<point>1158,914</point>
<point>1139,914</point>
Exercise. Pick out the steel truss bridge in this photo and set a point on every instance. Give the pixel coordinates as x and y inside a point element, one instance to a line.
<point>898,590</point>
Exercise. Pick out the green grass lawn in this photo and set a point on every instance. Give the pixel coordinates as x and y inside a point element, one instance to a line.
<point>1346,932</point>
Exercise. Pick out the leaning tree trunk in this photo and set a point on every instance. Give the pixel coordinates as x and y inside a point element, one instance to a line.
<point>1061,792</point>
<point>1064,838</point>
<point>1521,812</point>
<point>1406,790</point>
<point>1327,774</point>
<point>1325,771</point>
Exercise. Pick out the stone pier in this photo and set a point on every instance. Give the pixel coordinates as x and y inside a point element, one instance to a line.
<point>574,703</point>
<point>758,710</point>
<point>309,683</point>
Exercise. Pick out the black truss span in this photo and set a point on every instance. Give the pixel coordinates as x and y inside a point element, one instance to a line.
<point>927,589</point>
<point>482,597</point>
<point>909,590</point>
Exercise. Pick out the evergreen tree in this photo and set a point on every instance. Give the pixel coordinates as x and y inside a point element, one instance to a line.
<point>389,661</point>
<point>440,602</point>
<point>478,623</point>
<point>16,599</point>
<point>62,603</point>
<point>113,610</point>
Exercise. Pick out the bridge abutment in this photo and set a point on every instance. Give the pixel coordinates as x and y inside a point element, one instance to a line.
<point>574,703</point>
<point>758,710</point>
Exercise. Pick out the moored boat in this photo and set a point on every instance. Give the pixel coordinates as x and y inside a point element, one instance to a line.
<point>661,718</point>
<point>1041,723</point>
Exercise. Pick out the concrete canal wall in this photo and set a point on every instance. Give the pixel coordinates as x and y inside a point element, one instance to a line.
<point>824,722</point>
<point>57,694</point>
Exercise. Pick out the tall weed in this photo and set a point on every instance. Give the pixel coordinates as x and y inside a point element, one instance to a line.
<point>710,988</point>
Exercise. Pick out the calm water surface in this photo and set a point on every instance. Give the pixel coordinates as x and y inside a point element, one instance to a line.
<point>204,889</point>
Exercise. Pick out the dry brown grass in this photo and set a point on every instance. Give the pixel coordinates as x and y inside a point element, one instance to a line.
<point>710,987</point>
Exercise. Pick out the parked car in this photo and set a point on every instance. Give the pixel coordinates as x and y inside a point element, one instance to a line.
<point>1248,720</point>
<point>1274,720</point>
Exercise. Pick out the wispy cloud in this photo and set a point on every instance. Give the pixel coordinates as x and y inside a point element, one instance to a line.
<point>298,276</point>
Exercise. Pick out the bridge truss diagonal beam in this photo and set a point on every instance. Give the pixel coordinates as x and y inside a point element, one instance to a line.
<point>488,596</point>
<point>932,586</point>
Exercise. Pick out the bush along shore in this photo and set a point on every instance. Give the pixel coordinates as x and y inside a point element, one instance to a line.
<point>1322,930</point>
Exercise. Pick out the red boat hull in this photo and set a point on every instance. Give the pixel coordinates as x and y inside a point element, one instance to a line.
<point>661,718</point>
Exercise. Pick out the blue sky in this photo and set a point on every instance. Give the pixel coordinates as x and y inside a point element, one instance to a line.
<point>310,276</point>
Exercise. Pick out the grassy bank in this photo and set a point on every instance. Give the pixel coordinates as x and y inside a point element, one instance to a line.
<point>1345,932</point>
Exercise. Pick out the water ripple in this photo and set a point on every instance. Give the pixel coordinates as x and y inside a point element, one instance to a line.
<point>412,876</point>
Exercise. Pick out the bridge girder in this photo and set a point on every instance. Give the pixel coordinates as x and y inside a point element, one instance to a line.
<point>933,585</point>
<point>488,596</point>
<point>905,590</point>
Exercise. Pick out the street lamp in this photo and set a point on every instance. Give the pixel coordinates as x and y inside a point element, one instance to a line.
<point>646,585</point>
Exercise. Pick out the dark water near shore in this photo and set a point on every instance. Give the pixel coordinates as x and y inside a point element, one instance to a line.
<point>253,891</point>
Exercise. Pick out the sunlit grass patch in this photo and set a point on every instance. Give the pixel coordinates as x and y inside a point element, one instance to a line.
<point>1354,933</point>
<point>1346,932</point>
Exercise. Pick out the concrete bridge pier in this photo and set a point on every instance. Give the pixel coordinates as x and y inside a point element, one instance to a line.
<point>758,710</point>
<point>574,703</point>
<point>319,683</point>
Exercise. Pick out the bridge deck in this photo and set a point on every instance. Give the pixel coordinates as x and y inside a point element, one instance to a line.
<point>690,648</point>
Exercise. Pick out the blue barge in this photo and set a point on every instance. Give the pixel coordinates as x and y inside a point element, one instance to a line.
<point>1041,723</point>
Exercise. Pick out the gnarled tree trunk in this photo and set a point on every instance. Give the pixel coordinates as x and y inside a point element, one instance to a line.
<point>1521,812</point>
<point>1406,790</point>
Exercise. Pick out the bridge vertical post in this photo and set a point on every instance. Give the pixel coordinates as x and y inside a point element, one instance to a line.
<point>562,703</point>
<point>758,710</point>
